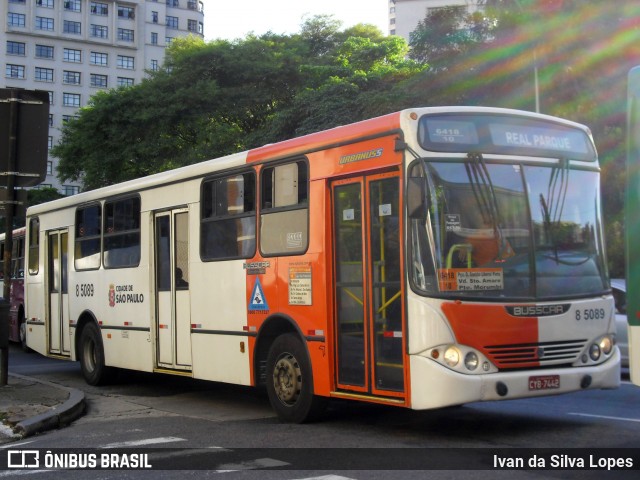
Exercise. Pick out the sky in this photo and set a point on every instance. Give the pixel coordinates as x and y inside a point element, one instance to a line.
<point>231,19</point>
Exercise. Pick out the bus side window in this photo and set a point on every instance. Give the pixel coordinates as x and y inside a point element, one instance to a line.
<point>34,246</point>
<point>228,217</point>
<point>87,242</point>
<point>284,223</point>
<point>121,233</point>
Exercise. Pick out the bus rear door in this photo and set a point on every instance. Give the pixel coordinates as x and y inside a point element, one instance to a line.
<point>173,313</point>
<point>58,292</point>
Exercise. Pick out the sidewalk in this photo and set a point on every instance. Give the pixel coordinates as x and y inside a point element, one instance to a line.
<point>29,406</point>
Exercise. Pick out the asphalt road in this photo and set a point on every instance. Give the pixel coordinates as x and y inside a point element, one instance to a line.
<point>208,429</point>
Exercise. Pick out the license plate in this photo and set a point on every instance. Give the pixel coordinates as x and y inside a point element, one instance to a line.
<point>544,382</point>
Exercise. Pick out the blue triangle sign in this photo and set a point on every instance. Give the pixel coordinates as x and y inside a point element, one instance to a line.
<point>258,300</point>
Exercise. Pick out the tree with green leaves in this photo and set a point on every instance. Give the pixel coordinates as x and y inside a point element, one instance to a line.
<point>221,97</point>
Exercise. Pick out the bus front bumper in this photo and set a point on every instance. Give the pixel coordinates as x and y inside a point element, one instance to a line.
<point>435,386</point>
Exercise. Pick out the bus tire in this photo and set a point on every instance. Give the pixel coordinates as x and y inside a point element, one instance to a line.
<point>290,381</point>
<point>92,362</point>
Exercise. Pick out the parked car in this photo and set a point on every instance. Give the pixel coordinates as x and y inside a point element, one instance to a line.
<point>619,288</point>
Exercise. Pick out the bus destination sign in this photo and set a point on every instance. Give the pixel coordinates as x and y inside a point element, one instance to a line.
<point>502,134</point>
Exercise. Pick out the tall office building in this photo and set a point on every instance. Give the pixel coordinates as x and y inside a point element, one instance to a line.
<point>404,15</point>
<point>74,48</point>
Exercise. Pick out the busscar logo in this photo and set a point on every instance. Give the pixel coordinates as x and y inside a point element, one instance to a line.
<point>23,459</point>
<point>538,310</point>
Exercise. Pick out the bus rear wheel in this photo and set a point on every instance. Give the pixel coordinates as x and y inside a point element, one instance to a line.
<point>290,381</point>
<point>92,362</point>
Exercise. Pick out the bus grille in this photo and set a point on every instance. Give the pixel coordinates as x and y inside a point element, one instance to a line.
<point>535,354</point>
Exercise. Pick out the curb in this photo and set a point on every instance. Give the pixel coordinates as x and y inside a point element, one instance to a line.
<point>59,416</point>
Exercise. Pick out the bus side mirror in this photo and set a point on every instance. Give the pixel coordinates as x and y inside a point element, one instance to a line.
<point>416,195</point>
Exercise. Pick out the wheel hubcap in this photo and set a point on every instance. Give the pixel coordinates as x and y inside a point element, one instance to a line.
<point>287,379</point>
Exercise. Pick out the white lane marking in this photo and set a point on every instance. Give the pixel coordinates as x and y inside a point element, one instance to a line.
<point>326,477</point>
<point>14,445</point>
<point>146,441</point>
<point>605,417</point>
<point>15,473</point>
<point>251,465</point>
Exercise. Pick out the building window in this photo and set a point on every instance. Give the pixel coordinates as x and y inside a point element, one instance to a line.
<point>14,71</point>
<point>44,74</point>
<point>72,55</point>
<point>68,118</point>
<point>228,222</point>
<point>71,100</point>
<point>168,40</point>
<point>192,25</point>
<point>49,143</point>
<point>126,12</point>
<point>16,19</point>
<point>154,65</point>
<point>125,82</point>
<point>15,48</point>
<point>44,51</point>
<point>71,27</point>
<point>99,8</point>
<point>101,59</point>
<point>154,38</point>
<point>73,5</point>
<point>49,167</point>
<point>173,3</point>
<point>122,233</point>
<point>50,98</point>
<point>45,3</point>
<point>44,23</point>
<point>125,34</point>
<point>70,190</point>
<point>172,22</point>
<point>99,31</point>
<point>71,78</point>
<point>154,17</point>
<point>98,81</point>
<point>51,119</point>
<point>125,62</point>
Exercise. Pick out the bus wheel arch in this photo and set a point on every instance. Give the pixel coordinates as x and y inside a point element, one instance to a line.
<point>285,368</point>
<point>90,351</point>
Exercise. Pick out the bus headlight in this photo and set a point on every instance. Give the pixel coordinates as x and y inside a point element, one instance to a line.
<point>594,352</point>
<point>471,361</point>
<point>452,356</point>
<point>606,345</point>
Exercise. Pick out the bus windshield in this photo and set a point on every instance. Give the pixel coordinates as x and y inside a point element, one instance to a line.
<point>509,231</point>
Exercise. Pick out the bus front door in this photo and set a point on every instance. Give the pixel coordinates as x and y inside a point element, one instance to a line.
<point>173,313</point>
<point>369,303</point>
<point>58,293</point>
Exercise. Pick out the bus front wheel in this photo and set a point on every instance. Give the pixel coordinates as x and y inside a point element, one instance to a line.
<point>290,381</point>
<point>92,362</point>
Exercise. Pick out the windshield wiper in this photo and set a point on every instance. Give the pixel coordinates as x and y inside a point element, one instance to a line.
<point>484,191</point>
<point>553,206</point>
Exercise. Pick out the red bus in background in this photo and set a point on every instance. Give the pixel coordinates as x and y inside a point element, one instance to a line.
<point>16,311</point>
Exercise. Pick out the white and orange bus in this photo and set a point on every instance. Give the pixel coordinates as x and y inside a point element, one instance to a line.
<point>431,257</point>
<point>17,327</point>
